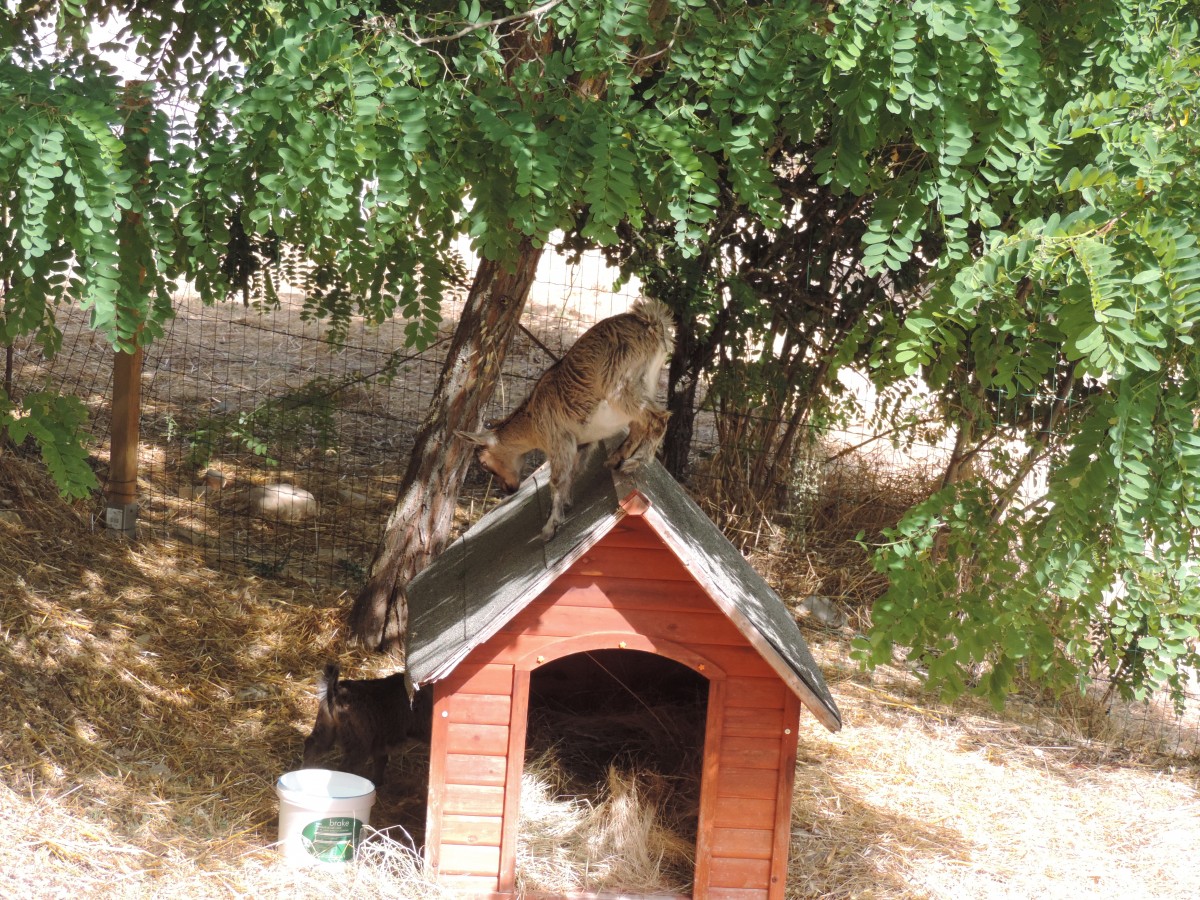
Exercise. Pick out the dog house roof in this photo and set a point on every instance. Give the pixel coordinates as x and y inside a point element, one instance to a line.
<point>499,565</point>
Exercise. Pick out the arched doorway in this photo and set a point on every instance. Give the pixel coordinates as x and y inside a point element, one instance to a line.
<point>613,769</point>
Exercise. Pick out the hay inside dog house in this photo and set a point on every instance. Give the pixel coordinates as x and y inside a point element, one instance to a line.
<point>637,566</point>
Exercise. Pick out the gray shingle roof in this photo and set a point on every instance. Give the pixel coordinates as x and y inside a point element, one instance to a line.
<point>490,573</point>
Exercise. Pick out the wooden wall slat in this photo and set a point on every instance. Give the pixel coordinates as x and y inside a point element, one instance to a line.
<point>724,893</point>
<point>746,843</point>
<point>627,562</point>
<point>472,800</point>
<point>764,693</point>
<point>470,885</point>
<point>518,647</point>
<point>628,593</point>
<point>750,752</point>
<point>737,659</point>
<point>744,812</point>
<point>480,740</point>
<point>478,678</point>
<point>687,629</point>
<point>480,709</point>
<point>482,830</point>
<point>469,768</point>
<point>756,784</point>
<point>741,873</point>
<point>465,859</point>
<point>633,531</point>
<point>755,722</point>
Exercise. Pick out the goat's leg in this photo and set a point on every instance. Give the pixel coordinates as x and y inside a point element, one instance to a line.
<point>655,429</point>
<point>617,459</point>
<point>355,756</point>
<point>562,471</point>
<point>378,766</point>
<point>645,434</point>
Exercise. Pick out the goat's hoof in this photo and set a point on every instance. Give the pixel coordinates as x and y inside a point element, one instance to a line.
<point>616,461</point>
<point>550,530</point>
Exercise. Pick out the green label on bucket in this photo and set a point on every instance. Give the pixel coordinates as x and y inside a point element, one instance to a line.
<point>331,840</point>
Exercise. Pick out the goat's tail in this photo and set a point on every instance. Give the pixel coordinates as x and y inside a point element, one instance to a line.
<point>658,316</point>
<point>327,687</point>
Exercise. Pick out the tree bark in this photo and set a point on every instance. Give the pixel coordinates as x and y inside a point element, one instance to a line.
<point>682,386</point>
<point>693,355</point>
<point>417,529</point>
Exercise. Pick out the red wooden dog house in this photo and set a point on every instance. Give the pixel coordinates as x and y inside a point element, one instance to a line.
<point>636,566</point>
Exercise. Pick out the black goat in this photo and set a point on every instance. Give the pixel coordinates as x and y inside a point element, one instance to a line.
<point>369,718</point>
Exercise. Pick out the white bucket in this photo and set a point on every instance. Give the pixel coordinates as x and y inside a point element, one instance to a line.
<point>321,815</point>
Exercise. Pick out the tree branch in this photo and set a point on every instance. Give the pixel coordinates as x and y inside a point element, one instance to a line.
<point>534,13</point>
<point>1037,453</point>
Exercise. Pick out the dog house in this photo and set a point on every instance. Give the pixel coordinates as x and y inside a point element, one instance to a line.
<point>636,566</point>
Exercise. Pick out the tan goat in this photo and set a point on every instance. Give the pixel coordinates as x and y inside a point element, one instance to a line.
<point>606,382</point>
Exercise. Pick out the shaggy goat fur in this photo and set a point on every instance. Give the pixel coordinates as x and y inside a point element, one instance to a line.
<point>605,383</point>
<point>369,718</point>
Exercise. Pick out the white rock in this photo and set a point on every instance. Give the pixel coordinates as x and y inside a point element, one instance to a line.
<point>284,502</point>
<point>215,479</point>
<point>822,610</point>
<point>191,535</point>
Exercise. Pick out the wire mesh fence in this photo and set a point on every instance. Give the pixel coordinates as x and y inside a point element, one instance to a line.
<point>268,445</point>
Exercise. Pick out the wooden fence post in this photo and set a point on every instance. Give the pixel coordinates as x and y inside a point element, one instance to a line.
<point>120,516</point>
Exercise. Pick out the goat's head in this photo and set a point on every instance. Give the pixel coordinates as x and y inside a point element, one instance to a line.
<point>502,462</point>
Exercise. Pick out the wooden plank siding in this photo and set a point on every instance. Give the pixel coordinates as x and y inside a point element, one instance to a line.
<point>472,765</point>
<point>459,829</point>
<point>654,564</point>
<point>627,585</point>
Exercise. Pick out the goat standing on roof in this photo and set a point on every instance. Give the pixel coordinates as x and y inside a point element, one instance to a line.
<point>606,382</point>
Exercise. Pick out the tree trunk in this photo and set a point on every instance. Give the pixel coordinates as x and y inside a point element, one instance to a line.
<point>692,356</point>
<point>419,525</point>
<point>682,385</point>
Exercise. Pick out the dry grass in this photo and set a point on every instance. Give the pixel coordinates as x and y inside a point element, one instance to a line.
<point>610,795</point>
<point>916,799</point>
<point>570,843</point>
<point>150,703</point>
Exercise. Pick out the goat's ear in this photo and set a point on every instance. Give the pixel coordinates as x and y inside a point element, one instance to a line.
<point>482,438</point>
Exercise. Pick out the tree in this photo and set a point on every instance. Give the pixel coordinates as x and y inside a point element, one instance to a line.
<point>768,316</point>
<point>419,524</point>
